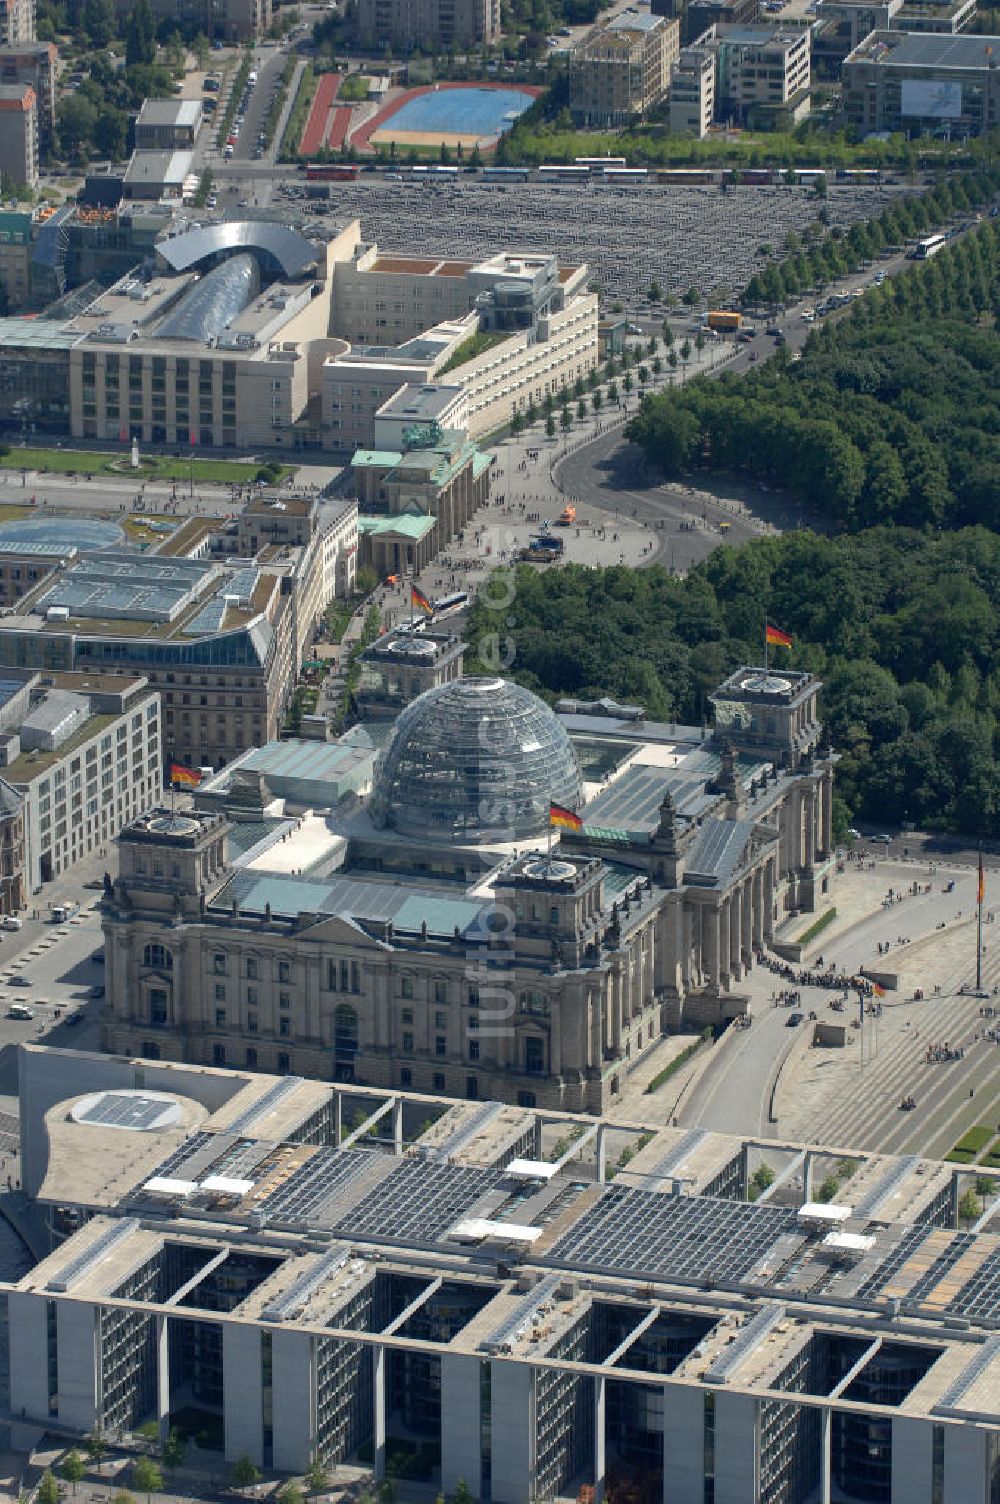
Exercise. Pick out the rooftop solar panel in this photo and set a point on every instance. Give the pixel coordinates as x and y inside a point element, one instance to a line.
<point>116,1111</point>
<point>307,1197</point>
<point>672,1237</point>
<point>419,1202</point>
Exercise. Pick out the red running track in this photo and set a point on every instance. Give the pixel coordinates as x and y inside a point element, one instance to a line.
<point>312,136</point>
<point>362,136</point>
<point>339,128</point>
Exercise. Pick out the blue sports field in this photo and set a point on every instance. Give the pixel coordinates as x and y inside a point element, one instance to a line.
<point>461,112</point>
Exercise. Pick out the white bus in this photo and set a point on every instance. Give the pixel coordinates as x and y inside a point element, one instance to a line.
<point>924,249</point>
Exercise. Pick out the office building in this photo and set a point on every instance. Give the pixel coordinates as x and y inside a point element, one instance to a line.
<point>843,25</point>
<point>428,25</point>
<point>249,335</point>
<point>34,63</point>
<point>19,134</point>
<point>157,176</point>
<point>15,259</point>
<point>17,22</point>
<point>620,71</point>
<point>413,321</point>
<point>692,92</point>
<point>168,124</point>
<point>763,74</point>
<point>83,752</point>
<point>221,638</point>
<point>700,15</point>
<point>222,20</point>
<point>318,1271</point>
<point>918,82</point>
<point>356,937</point>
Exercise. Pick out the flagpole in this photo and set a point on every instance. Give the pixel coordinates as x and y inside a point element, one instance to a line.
<point>979,928</point>
<point>765,644</point>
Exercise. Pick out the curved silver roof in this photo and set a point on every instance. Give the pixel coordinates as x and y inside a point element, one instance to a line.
<point>289,251</point>
<point>214,301</point>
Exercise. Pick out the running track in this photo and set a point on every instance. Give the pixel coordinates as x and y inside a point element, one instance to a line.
<point>312,136</point>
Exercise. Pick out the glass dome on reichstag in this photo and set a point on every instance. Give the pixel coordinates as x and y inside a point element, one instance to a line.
<point>474,760</point>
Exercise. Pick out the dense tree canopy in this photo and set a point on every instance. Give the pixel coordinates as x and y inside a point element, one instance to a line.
<point>901,625</point>
<point>892,415</point>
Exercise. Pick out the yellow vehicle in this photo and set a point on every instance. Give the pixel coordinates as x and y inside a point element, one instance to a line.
<point>725,319</point>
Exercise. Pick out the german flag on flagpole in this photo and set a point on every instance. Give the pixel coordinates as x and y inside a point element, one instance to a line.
<point>776,637</point>
<point>981,891</point>
<point>563,818</point>
<point>878,989</point>
<point>418,598</point>
<point>181,776</point>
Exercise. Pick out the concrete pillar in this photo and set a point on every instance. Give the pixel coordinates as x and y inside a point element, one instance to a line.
<point>616,1007</point>
<point>378,1414</point>
<point>737,1450</point>
<point>600,1460</point>
<point>912,1450</point>
<point>825,1455</point>
<point>807,1177</point>
<point>293,1400</point>
<point>162,1378</point>
<point>339,1127</point>
<point>710,964</point>
<point>746,912</point>
<point>555,1039</point>
<point>769,886</point>
<point>512,1428</point>
<point>725,935</point>
<point>601,1155</point>
<point>683,1445</point>
<point>966,1469</point>
<point>461,1423</point>
<point>397,1125</point>
<point>78,1361</point>
<point>735,958</point>
<point>29,1375</point>
<point>242,1392</point>
<point>828,813</point>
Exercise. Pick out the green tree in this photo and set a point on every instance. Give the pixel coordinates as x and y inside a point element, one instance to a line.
<point>99,21</point>
<point>109,134</point>
<point>76,118</point>
<point>48,1489</point>
<point>692,297</point>
<point>96,1448</point>
<point>244,1473</point>
<point>517,422</point>
<point>463,1493</point>
<point>565,421</point>
<point>290,1493</point>
<point>173,1449</point>
<point>122,1496</point>
<point>627,381</point>
<point>685,351</point>
<point>140,35</point>
<point>613,392</point>
<point>655,292</point>
<point>699,341</point>
<point>596,401</point>
<point>550,426</point>
<point>317,1476</point>
<point>581,409</point>
<point>969,1206</point>
<point>72,1468</point>
<point>146,1476</point>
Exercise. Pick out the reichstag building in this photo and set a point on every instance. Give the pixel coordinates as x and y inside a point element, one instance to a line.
<point>394,908</point>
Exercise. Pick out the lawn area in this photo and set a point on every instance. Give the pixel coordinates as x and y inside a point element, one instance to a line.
<point>970,1144</point>
<point>152,466</point>
<point>353,90</point>
<point>476,344</point>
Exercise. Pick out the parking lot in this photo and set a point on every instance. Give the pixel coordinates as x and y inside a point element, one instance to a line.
<point>679,237</point>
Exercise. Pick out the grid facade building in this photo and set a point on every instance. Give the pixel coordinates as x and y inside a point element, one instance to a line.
<point>430,1295</point>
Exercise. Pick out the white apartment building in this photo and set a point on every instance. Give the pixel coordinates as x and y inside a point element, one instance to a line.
<point>86,756</point>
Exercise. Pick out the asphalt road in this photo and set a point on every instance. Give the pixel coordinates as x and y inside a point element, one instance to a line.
<point>269,65</point>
